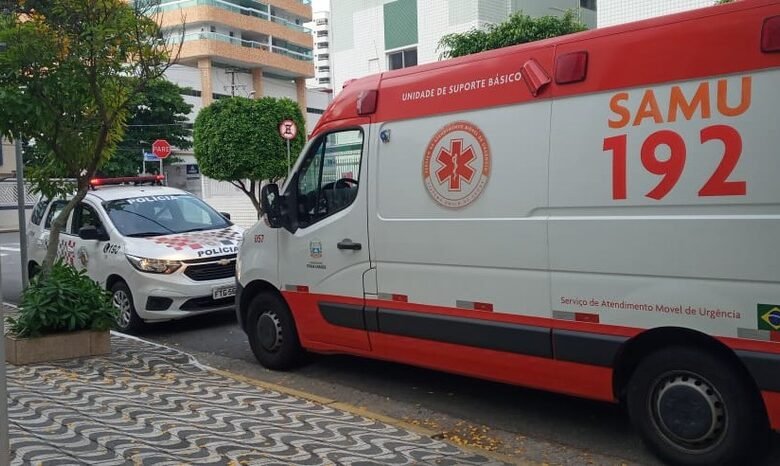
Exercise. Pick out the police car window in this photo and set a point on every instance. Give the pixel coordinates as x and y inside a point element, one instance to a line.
<point>56,208</point>
<point>37,213</point>
<point>85,216</point>
<point>327,180</point>
<point>163,215</point>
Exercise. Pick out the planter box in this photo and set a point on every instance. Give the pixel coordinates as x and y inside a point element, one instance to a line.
<point>69,345</point>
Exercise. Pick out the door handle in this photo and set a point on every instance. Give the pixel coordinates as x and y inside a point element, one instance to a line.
<point>348,244</point>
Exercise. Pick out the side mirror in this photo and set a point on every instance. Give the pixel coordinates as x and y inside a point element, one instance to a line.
<point>225,214</point>
<point>271,204</point>
<point>92,233</point>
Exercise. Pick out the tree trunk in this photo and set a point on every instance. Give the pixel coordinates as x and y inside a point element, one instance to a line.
<point>57,225</point>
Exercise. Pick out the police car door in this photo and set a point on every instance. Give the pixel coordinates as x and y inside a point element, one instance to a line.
<point>89,253</point>
<point>321,265</point>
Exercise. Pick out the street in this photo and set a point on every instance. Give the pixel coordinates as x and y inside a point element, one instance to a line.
<point>523,424</point>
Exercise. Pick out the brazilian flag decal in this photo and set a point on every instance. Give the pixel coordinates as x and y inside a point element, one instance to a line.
<point>769,317</point>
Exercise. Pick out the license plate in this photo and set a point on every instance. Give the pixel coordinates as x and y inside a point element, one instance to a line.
<point>223,292</point>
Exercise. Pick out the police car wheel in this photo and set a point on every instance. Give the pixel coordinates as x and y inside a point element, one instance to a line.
<point>127,319</point>
<point>272,333</point>
<point>692,408</point>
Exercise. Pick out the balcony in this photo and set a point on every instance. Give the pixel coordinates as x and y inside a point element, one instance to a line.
<point>176,6</point>
<point>242,52</point>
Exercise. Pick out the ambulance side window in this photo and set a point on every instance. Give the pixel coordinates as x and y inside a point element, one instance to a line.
<point>328,178</point>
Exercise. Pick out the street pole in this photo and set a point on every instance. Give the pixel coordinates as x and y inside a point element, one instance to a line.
<point>288,158</point>
<point>5,446</point>
<point>21,201</point>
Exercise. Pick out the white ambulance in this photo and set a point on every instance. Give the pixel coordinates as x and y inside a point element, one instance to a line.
<point>596,214</point>
<point>162,252</point>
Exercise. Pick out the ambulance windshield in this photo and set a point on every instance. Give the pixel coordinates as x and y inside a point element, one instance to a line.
<point>163,215</point>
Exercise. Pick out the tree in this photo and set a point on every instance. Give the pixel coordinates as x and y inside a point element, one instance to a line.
<point>517,29</point>
<point>237,140</point>
<point>157,112</point>
<point>70,72</point>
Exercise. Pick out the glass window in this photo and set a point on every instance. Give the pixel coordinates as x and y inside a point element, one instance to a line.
<point>327,180</point>
<point>37,213</point>
<point>163,215</point>
<point>588,4</point>
<point>402,59</point>
<point>55,210</point>
<point>83,216</point>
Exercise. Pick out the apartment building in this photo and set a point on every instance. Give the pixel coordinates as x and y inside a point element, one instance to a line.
<point>612,12</point>
<point>321,32</point>
<point>370,36</point>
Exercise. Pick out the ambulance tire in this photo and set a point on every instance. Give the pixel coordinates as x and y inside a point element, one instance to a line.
<point>693,408</point>
<point>127,319</point>
<point>272,333</point>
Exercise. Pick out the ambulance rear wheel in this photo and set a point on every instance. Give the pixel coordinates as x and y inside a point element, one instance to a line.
<point>272,333</point>
<point>692,408</point>
<point>127,319</point>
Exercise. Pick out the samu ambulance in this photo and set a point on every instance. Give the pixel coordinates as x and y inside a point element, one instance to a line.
<point>596,214</point>
<point>163,253</point>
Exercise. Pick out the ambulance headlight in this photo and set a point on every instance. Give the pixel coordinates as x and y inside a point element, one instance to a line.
<point>153,265</point>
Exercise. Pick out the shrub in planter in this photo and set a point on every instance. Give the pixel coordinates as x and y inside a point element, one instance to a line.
<point>65,300</point>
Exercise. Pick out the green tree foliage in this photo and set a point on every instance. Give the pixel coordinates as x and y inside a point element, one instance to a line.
<point>157,112</point>
<point>68,77</point>
<point>65,300</point>
<point>517,29</point>
<point>237,140</point>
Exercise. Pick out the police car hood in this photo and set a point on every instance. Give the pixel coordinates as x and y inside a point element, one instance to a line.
<point>190,245</point>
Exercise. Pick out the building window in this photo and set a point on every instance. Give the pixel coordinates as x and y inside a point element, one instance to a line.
<point>323,69</point>
<point>323,81</point>
<point>323,56</point>
<point>402,59</point>
<point>588,4</point>
<point>322,21</point>
<point>322,33</point>
<point>322,45</point>
<point>213,29</point>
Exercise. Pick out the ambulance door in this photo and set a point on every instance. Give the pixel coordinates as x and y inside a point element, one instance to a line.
<point>321,265</point>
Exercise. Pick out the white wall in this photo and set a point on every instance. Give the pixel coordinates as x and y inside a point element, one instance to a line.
<point>611,12</point>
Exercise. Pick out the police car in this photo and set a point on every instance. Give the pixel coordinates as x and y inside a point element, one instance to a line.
<point>162,252</point>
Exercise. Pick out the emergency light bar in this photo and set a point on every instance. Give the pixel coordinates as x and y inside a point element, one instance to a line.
<point>135,180</point>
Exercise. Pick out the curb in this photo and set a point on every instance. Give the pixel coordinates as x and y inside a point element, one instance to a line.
<point>363,412</point>
<point>340,405</point>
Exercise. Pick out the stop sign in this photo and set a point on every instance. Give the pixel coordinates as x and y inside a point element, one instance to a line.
<point>161,148</point>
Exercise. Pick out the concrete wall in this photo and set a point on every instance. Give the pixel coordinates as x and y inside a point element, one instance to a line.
<point>611,12</point>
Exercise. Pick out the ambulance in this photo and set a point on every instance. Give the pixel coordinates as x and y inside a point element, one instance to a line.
<point>596,215</point>
<point>163,253</point>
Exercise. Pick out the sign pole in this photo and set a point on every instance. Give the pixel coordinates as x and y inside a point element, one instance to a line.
<point>288,158</point>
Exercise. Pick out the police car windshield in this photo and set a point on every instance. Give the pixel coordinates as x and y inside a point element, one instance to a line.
<point>163,215</point>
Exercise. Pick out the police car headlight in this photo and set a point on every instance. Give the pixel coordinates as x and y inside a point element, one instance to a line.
<point>153,265</point>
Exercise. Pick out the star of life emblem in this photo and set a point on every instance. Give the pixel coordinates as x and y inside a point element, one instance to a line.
<point>456,165</point>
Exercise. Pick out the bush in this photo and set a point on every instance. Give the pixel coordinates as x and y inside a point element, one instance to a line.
<point>65,300</point>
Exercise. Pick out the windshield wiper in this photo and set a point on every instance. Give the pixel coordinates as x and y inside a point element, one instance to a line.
<point>198,229</point>
<point>146,218</point>
<point>144,234</point>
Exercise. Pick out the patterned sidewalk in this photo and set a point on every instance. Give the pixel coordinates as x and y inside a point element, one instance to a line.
<point>148,404</point>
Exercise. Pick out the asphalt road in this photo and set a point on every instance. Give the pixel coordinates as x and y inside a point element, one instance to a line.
<point>528,425</point>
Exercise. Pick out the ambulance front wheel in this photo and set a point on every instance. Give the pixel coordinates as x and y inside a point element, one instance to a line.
<point>127,319</point>
<point>272,333</point>
<point>693,408</point>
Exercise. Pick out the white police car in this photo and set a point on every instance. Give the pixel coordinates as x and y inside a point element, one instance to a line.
<point>162,252</point>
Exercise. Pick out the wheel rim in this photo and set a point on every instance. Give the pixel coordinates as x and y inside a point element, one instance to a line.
<point>122,302</point>
<point>688,411</point>
<point>269,331</point>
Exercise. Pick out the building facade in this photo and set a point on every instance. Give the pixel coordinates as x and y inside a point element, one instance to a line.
<point>321,32</point>
<point>371,36</point>
<point>612,12</point>
<point>240,48</point>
